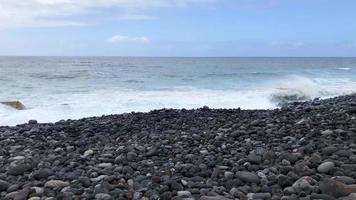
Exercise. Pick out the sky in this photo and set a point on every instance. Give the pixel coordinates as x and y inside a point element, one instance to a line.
<point>178,28</point>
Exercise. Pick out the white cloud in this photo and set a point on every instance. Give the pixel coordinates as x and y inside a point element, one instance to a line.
<point>124,38</point>
<point>23,13</point>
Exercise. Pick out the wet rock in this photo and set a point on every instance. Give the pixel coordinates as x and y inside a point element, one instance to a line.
<point>14,104</point>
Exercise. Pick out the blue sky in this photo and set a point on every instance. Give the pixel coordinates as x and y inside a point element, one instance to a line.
<point>178,27</point>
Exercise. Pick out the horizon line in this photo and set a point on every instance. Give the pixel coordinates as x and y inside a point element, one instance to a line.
<point>85,56</point>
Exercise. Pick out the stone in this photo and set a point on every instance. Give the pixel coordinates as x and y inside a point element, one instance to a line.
<point>326,167</point>
<point>88,153</point>
<point>304,185</point>
<point>104,165</point>
<point>39,191</point>
<point>329,150</point>
<point>228,175</point>
<point>32,122</point>
<point>19,169</point>
<point>35,198</point>
<point>327,132</point>
<point>260,196</point>
<point>103,196</point>
<point>56,184</point>
<point>41,173</point>
<point>13,188</point>
<point>4,185</point>
<point>336,188</point>
<point>248,177</point>
<point>213,198</point>
<point>254,159</point>
<point>22,194</point>
<point>321,197</point>
<point>184,194</point>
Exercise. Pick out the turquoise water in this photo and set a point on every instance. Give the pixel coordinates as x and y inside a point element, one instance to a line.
<point>55,88</point>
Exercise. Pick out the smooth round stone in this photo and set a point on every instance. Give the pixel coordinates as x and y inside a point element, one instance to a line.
<point>103,196</point>
<point>248,177</point>
<point>326,167</point>
<point>184,194</point>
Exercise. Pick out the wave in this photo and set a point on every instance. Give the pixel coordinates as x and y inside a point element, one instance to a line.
<point>54,107</point>
<point>298,88</point>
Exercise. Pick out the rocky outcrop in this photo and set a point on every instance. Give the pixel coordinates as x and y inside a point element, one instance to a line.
<point>14,104</point>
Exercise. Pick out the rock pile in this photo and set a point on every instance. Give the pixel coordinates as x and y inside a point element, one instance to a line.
<point>301,151</point>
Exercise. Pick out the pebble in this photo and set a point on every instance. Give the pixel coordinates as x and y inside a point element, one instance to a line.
<point>248,177</point>
<point>18,169</point>
<point>56,184</point>
<point>326,167</point>
<point>103,196</point>
<point>88,153</point>
<point>304,185</point>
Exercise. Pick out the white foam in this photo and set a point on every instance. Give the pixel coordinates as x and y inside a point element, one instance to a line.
<point>55,107</point>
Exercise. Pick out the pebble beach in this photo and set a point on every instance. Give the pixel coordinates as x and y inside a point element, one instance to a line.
<point>303,150</point>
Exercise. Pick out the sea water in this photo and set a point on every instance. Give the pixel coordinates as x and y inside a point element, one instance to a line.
<point>56,88</point>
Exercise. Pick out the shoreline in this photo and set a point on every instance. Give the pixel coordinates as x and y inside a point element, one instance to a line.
<point>305,150</point>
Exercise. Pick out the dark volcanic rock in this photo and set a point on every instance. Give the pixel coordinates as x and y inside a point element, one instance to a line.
<point>304,150</point>
<point>4,185</point>
<point>18,169</point>
<point>248,177</point>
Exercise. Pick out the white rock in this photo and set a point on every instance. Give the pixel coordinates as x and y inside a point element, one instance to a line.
<point>88,153</point>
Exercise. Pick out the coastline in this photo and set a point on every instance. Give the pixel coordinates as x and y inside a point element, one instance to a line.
<point>305,150</point>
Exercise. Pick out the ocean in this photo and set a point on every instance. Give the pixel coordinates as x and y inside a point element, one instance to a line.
<point>56,88</point>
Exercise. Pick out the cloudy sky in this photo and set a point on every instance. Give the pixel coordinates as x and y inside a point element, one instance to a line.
<point>178,27</point>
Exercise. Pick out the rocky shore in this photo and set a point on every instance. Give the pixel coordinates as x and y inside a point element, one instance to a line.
<point>301,151</point>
